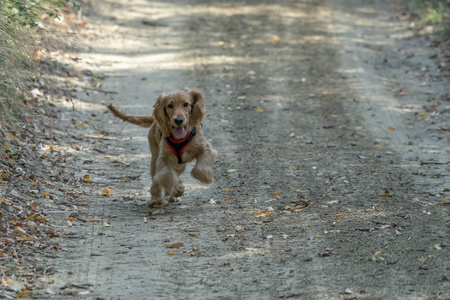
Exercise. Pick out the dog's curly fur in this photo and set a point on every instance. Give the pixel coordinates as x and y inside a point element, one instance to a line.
<point>173,112</point>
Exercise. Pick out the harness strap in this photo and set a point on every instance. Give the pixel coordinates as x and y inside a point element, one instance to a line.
<point>178,146</point>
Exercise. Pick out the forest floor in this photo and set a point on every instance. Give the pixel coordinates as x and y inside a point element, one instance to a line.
<point>331,115</point>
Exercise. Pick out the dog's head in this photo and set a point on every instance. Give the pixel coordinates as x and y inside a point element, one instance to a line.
<point>178,112</point>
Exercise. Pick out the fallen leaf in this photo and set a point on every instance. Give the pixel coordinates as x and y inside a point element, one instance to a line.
<point>390,128</point>
<point>404,94</point>
<point>34,205</point>
<point>228,190</point>
<point>25,238</point>
<point>385,194</point>
<point>46,194</point>
<point>86,178</point>
<point>70,219</point>
<point>239,228</point>
<point>22,294</point>
<point>106,224</point>
<point>81,126</point>
<point>276,38</point>
<point>377,254</point>
<point>339,217</point>
<point>447,219</point>
<point>106,192</point>
<point>192,234</point>
<point>94,220</point>
<point>227,202</point>
<point>260,110</point>
<point>422,259</point>
<point>19,231</point>
<point>175,245</point>
<point>278,192</point>
<point>445,200</point>
<point>260,214</point>
<point>300,191</point>
<point>379,146</point>
<point>170,253</point>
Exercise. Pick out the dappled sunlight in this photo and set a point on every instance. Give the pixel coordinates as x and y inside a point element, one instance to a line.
<point>351,71</point>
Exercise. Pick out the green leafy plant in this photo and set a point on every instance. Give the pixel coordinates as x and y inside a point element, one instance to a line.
<point>435,12</point>
<point>26,12</point>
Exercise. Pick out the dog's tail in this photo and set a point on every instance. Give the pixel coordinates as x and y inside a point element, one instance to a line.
<point>140,121</point>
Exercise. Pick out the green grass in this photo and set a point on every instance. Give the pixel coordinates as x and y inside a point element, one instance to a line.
<point>436,13</point>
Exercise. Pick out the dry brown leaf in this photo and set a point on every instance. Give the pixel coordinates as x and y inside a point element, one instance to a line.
<point>106,192</point>
<point>175,245</point>
<point>228,190</point>
<point>339,217</point>
<point>260,214</point>
<point>19,231</point>
<point>94,220</point>
<point>86,178</point>
<point>390,128</point>
<point>34,205</point>
<point>26,238</point>
<point>278,192</point>
<point>170,253</point>
<point>445,200</point>
<point>70,219</point>
<point>377,254</point>
<point>22,294</point>
<point>192,234</point>
<point>300,191</point>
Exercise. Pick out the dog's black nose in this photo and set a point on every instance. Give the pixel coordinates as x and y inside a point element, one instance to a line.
<point>178,121</point>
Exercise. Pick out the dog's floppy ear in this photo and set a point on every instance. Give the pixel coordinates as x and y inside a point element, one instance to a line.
<point>198,110</point>
<point>160,115</point>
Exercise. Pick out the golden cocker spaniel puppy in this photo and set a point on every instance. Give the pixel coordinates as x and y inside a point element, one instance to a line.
<point>176,138</point>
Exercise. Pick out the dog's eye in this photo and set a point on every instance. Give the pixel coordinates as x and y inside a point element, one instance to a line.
<point>170,106</point>
<point>186,104</point>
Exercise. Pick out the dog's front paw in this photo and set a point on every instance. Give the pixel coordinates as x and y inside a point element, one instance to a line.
<point>173,199</point>
<point>204,175</point>
<point>178,191</point>
<point>158,202</point>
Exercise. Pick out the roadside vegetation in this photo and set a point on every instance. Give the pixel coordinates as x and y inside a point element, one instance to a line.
<point>433,16</point>
<point>24,37</point>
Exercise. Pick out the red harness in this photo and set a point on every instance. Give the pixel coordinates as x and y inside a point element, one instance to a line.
<point>178,146</point>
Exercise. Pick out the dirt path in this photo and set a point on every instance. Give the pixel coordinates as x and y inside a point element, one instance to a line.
<point>310,103</point>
